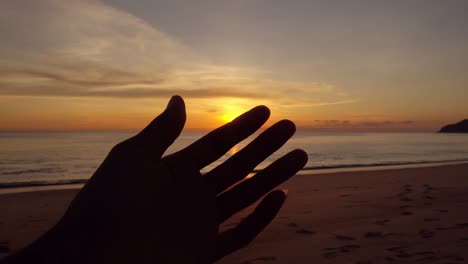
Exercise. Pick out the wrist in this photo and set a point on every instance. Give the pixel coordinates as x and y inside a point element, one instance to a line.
<point>47,249</point>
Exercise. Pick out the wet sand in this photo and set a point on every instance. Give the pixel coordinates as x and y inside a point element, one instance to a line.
<point>412,215</point>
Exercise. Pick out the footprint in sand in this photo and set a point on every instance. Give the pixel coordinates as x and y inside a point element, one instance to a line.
<point>382,222</point>
<point>374,235</point>
<point>267,258</point>
<point>397,248</point>
<point>345,238</point>
<point>430,256</point>
<point>426,234</point>
<point>426,256</point>
<point>403,254</point>
<point>332,252</point>
<point>407,189</point>
<point>424,253</point>
<point>349,248</point>
<point>305,232</point>
<point>406,199</point>
<point>377,235</point>
<point>400,252</point>
<point>302,230</point>
<point>428,259</point>
<point>456,226</point>
<point>428,188</point>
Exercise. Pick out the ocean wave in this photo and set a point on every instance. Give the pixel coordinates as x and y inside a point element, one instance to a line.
<point>383,164</point>
<point>29,171</point>
<point>41,183</point>
<point>325,167</point>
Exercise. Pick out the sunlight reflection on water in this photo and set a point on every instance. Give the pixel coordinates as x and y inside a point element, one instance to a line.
<point>56,157</point>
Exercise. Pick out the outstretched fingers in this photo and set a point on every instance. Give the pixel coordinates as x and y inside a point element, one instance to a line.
<point>242,163</point>
<point>240,236</point>
<point>216,143</point>
<point>247,192</point>
<point>165,128</point>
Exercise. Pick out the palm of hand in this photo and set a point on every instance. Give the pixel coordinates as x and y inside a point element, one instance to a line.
<point>144,208</point>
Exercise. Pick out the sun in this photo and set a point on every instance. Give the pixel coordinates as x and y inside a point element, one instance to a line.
<point>231,108</point>
<point>230,114</point>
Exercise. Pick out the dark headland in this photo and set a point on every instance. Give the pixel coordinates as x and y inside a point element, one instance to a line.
<point>460,127</point>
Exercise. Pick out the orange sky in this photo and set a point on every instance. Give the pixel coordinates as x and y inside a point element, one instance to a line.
<point>328,66</point>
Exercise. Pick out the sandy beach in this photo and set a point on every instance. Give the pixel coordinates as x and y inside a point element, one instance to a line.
<point>412,215</point>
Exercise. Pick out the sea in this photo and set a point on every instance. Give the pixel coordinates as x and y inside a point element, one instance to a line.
<point>50,158</point>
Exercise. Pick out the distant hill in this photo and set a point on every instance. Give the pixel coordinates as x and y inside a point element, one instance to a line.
<point>460,127</point>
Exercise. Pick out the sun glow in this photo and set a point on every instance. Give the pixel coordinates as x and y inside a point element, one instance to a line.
<point>229,116</point>
<point>231,108</point>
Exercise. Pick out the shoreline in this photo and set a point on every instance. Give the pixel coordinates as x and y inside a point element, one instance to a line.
<point>341,217</point>
<point>78,184</point>
<point>399,166</point>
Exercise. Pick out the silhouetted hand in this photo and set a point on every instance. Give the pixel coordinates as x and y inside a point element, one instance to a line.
<point>140,207</point>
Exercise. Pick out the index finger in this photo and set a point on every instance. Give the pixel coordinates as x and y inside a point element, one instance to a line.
<point>216,143</point>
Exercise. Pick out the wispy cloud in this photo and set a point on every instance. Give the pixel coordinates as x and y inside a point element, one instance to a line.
<point>85,48</point>
<point>386,123</point>
<point>323,103</point>
<point>357,125</point>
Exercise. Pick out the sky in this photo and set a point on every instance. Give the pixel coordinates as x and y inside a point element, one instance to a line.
<point>327,65</point>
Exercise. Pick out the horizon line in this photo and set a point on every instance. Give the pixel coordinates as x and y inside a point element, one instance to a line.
<point>299,129</point>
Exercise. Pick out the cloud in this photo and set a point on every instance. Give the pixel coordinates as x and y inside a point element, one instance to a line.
<point>332,122</point>
<point>323,103</point>
<point>386,123</point>
<point>356,125</point>
<point>84,30</point>
<point>85,48</point>
<point>30,81</point>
